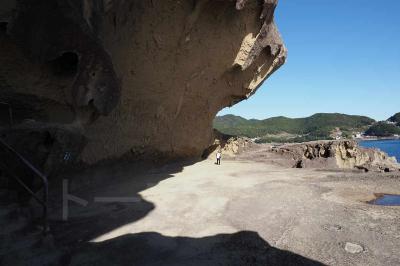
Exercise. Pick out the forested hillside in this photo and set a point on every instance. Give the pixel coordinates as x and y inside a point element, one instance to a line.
<point>318,126</point>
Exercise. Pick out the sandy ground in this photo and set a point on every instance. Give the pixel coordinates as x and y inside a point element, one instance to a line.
<point>243,212</point>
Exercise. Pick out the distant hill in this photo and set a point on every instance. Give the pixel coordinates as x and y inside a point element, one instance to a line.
<point>395,118</point>
<point>318,126</point>
<point>386,128</point>
<point>383,129</point>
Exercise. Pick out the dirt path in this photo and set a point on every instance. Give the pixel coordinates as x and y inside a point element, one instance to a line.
<point>239,213</point>
<point>197,211</point>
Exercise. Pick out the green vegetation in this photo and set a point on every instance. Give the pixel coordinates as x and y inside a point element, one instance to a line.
<point>383,129</point>
<point>395,119</point>
<point>283,129</point>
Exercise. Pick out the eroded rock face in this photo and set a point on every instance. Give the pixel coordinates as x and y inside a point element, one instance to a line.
<point>229,146</point>
<point>134,77</point>
<point>343,154</point>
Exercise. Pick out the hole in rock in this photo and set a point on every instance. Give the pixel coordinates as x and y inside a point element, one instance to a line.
<point>299,164</point>
<point>66,64</point>
<point>385,200</point>
<point>386,170</point>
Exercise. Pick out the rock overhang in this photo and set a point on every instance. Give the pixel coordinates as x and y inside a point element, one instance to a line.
<point>150,75</point>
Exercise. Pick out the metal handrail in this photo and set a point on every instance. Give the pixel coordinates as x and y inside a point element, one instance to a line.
<point>43,178</point>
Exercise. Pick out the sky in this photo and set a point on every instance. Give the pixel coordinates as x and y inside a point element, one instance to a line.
<point>343,57</point>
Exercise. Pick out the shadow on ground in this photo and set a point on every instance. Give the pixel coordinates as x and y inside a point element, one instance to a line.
<point>114,180</point>
<point>73,236</point>
<point>149,248</point>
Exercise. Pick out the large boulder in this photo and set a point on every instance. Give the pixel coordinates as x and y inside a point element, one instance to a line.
<point>144,78</point>
<point>343,154</point>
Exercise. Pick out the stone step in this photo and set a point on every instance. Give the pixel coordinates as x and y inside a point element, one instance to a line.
<point>42,252</point>
<point>17,242</point>
<point>22,242</point>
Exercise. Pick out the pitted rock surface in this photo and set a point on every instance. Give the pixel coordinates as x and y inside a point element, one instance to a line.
<point>137,78</point>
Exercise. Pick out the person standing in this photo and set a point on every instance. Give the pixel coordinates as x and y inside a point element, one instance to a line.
<point>219,157</point>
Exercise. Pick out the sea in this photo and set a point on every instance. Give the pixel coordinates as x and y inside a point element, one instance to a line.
<point>391,147</point>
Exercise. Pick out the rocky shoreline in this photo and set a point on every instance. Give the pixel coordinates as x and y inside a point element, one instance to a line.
<point>325,154</point>
<point>344,154</point>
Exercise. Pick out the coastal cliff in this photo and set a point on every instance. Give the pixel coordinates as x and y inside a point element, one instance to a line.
<point>133,78</point>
